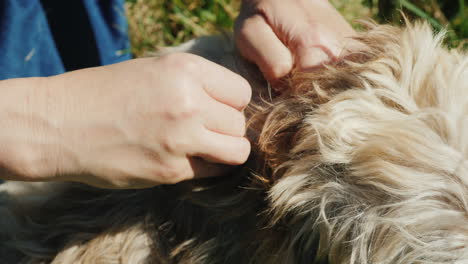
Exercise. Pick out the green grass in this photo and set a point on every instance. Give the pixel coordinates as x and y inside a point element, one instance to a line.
<point>450,15</point>
<point>158,23</point>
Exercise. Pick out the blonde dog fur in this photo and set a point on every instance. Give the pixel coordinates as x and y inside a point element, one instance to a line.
<point>364,161</point>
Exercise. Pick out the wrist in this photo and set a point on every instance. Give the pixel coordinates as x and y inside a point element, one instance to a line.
<point>30,135</point>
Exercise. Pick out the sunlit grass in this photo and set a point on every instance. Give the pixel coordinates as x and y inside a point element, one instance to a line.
<point>157,23</point>
<point>447,15</point>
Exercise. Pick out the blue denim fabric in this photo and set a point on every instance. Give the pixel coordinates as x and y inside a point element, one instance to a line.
<point>27,45</point>
<point>110,27</point>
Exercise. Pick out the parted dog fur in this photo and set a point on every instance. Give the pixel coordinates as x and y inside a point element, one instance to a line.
<point>360,161</point>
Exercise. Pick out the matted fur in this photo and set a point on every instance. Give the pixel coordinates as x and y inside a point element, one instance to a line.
<point>360,162</point>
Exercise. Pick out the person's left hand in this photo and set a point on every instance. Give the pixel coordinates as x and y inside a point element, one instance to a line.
<point>279,35</point>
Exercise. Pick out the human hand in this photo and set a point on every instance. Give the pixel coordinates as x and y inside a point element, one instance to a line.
<point>279,35</point>
<point>143,122</point>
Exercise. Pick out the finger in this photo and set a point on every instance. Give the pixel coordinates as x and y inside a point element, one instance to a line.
<point>323,49</point>
<point>314,49</point>
<point>321,46</point>
<point>224,119</point>
<point>225,86</point>
<point>258,43</point>
<point>218,148</point>
<point>310,57</point>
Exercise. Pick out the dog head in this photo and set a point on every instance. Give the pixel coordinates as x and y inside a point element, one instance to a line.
<point>368,159</point>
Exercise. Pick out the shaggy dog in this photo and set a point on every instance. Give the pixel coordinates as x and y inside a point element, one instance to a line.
<point>362,161</point>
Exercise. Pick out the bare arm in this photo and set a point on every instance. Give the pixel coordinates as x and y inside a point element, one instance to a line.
<point>129,125</point>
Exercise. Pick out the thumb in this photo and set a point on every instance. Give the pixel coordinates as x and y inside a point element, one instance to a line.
<point>258,42</point>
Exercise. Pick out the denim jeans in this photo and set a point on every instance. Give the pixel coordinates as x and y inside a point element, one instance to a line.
<point>49,37</point>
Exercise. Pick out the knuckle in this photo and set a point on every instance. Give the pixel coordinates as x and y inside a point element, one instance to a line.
<point>242,26</point>
<point>265,7</point>
<point>316,39</point>
<point>184,108</point>
<point>247,28</point>
<point>183,62</point>
<point>173,57</point>
<point>240,125</point>
<point>242,32</point>
<point>303,42</point>
<point>187,104</point>
<point>242,153</point>
<point>174,144</point>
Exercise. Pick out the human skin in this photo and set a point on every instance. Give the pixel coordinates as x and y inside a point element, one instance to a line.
<point>281,35</point>
<point>134,124</point>
<point>158,121</point>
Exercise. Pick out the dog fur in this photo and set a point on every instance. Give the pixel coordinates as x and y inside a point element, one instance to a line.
<point>361,161</point>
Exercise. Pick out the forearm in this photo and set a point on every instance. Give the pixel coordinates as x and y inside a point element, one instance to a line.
<point>31,146</point>
<point>133,124</point>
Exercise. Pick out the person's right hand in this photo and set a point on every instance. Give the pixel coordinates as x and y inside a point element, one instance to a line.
<point>143,122</point>
<point>279,35</point>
